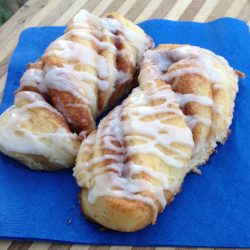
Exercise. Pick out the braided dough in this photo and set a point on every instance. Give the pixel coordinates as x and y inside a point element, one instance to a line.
<point>205,86</point>
<point>133,165</point>
<point>89,68</point>
<point>81,74</point>
<point>36,134</point>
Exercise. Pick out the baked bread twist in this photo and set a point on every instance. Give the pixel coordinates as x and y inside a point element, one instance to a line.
<point>82,73</point>
<point>89,68</point>
<point>134,164</point>
<point>205,86</point>
<point>36,134</point>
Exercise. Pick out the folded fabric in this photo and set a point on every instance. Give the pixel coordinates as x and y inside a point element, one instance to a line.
<point>213,209</point>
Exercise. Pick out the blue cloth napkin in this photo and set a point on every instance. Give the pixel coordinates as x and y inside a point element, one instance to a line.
<point>213,210</point>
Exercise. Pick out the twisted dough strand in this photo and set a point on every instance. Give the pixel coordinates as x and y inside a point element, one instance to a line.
<point>206,87</point>
<point>89,68</point>
<point>133,165</point>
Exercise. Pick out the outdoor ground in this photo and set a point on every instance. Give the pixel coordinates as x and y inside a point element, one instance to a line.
<point>8,8</point>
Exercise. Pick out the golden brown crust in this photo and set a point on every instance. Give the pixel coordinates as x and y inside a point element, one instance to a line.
<point>123,62</point>
<point>121,213</point>
<point>37,65</point>
<point>219,113</point>
<point>34,162</point>
<point>40,121</point>
<point>239,73</point>
<point>28,88</point>
<point>123,58</point>
<point>116,213</point>
<point>78,115</point>
<point>34,65</point>
<point>197,85</point>
<point>129,215</point>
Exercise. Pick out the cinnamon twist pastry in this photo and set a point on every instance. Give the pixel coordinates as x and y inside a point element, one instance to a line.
<point>89,68</point>
<point>34,133</point>
<point>205,86</point>
<point>82,73</point>
<point>133,165</point>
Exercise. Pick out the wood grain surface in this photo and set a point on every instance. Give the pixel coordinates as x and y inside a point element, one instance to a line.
<point>59,12</point>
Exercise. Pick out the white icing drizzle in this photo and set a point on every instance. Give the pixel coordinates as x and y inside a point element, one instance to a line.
<point>123,125</point>
<point>183,99</point>
<point>73,51</point>
<point>122,77</point>
<point>33,77</point>
<point>217,108</point>
<point>60,149</point>
<point>136,37</point>
<point>132,130</point>
<point>200,61</point>
<point>206,63</point>
<point>55,76</point>
<point>90,33</point>
<point>87,35</point>
<point>169,64</point>
<point>193,120</point>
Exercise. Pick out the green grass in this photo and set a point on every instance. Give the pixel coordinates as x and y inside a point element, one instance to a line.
<point>5,10</point>
<point>8,8</point>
